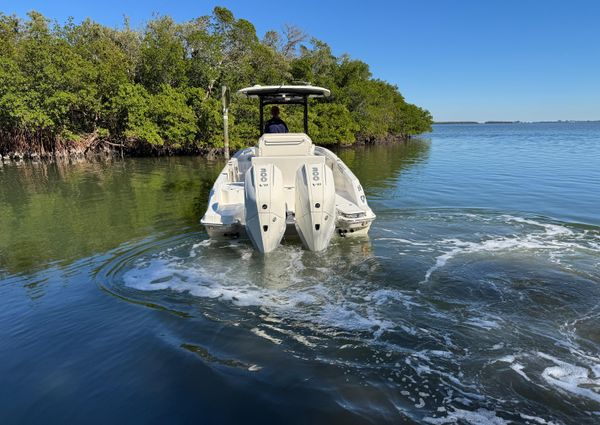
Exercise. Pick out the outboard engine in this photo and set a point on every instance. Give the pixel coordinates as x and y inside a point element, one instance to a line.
<point>264,206</point>
<point>315,205</point>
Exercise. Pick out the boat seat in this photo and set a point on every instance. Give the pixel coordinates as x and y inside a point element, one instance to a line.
<point>232,193</point>
<point>285,144</point>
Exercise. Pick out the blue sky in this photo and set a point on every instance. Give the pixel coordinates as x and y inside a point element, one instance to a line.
<point>462,60</point>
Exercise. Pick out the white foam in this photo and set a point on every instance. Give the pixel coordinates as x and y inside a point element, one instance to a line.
<point>350,319</point>
<point>518,367</point>
<point>507,359</point>
<point>420,404</point>
<point>291,298</point>
<point>571,378</point>
<point>537,419</point>
<point>300,338</point>
<point>382,296</point>
<point>440,353</point>
<point>477,417</point>
<point>404,241</point>
<point>483,323</point>
<point>551,229</point>
<point>514,365</point>
<point>596,370</point>
<point>266,336</point>
<point>408,329</point>
<point>426,354</point>
<point>553,239</point>
<point>204,243</point>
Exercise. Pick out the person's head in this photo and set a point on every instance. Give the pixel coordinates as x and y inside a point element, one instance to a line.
<point>275,111</point>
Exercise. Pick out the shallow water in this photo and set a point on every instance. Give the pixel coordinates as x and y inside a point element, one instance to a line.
<point>476,298</point>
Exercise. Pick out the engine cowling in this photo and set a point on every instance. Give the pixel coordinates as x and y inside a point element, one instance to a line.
<point>315,205</point>
<point>264,206</point>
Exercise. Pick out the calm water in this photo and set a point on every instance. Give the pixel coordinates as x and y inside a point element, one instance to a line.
<point>475,300</point>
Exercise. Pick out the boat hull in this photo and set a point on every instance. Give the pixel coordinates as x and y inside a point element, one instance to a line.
<point>287,187</point>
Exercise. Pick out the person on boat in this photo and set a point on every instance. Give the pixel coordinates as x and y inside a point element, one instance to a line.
<point>275,124</point>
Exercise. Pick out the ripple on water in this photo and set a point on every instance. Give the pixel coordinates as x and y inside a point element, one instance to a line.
<point>439,311</point>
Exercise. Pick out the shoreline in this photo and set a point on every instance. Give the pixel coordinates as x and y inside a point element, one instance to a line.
<point>110,151</point>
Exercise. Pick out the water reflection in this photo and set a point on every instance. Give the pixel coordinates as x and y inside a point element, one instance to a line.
<point>379,166</point>
<point>65,211</point>
<point>62,212</point>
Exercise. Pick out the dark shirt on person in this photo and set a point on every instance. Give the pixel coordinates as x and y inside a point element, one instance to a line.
<point>276,125</point>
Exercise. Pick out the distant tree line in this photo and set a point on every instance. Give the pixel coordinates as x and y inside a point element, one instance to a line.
<point>158,89</point>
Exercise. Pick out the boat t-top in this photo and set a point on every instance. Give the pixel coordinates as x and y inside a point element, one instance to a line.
<point>286,185</point>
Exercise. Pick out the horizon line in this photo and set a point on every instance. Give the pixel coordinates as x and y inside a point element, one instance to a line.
<point>510,121</point>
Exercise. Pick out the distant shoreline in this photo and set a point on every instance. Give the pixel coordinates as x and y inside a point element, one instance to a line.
<point>513,122</point>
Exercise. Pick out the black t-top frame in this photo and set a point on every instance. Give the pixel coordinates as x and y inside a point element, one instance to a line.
<point>284,95</point>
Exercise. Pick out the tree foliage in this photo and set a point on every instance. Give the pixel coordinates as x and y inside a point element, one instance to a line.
<point>160,86</point>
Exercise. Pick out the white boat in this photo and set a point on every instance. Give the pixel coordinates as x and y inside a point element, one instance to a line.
<point>286,186</point>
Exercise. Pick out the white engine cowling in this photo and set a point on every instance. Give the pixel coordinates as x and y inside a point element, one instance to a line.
<point>264,206</point>
<point>315,205</point>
